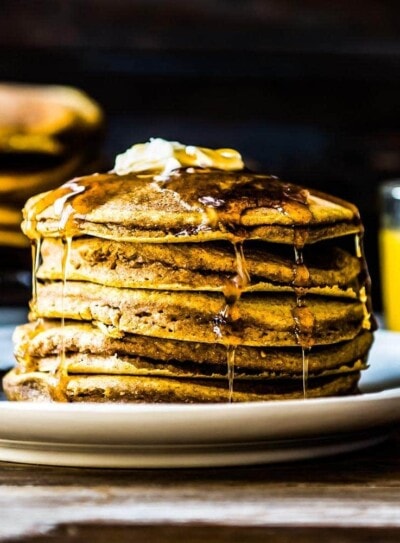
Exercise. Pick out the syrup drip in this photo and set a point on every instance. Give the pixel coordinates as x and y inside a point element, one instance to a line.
<point>61,372</point>
<point>365,285</point>
<point>66,205</point>
<point>36,255</point>
<point>36,248</point>
<point>60,375</point>
<point>229,194</point>
<point>358,246</point>
<point>303,318</point>
<point>230,314</point>
<point>301,275</point>
<point>66,210</point>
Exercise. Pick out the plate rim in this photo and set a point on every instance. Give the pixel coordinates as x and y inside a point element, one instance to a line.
<point>194,425</point>
<point>169,423</point>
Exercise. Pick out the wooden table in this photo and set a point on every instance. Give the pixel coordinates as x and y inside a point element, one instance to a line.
<point>349,498</point>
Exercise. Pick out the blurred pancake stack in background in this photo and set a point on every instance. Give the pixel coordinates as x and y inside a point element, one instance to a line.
<point>182,277</point>
<point>47,135</point>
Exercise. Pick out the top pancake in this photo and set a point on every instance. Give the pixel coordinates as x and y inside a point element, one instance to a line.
<point>190,205</point>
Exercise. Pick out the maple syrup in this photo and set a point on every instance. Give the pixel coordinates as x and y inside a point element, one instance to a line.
<point>226,322</point>
<point>302,316</point>
<point>364,284</point>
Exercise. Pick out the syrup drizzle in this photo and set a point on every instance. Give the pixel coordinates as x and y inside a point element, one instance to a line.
<point>303,318</point>
<point>36,256</point>
<point>61,371</point>
<point>65,209</point>
<point>365,285</point>
<point>229,194</point>
<point>229,316</point>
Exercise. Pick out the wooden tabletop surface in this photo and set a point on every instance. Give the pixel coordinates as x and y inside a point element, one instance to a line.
<point>349,498</point>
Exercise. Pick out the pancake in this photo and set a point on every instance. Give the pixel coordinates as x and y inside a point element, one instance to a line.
<point>88,364</point>
<point>182,277</point>
<point>39,386</point>
<point>190,207</point>
<point>206,266</point>
<point>89,349</point>
<point>193,316</point>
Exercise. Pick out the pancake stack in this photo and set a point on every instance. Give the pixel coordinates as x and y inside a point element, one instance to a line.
<point>184,277</point>
<point>47,134</point>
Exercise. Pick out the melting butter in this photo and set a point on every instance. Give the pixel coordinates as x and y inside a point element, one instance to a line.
<point>163,157</point>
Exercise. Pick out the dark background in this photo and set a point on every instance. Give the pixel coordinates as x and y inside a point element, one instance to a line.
<point>308,90</point>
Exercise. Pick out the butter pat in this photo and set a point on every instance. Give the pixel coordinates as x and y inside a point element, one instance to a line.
<point>163,157</point>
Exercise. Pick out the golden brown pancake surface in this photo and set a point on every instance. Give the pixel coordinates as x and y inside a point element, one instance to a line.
<point>264,319</point>
<point>87,348</point>
<point>200,266</point>
<point>194,206</point>
<point>38,386</point>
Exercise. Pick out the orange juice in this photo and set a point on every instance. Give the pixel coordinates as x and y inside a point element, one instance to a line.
<point>389,241</point>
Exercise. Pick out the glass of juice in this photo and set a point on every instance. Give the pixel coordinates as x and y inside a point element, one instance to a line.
<point>389,245</point>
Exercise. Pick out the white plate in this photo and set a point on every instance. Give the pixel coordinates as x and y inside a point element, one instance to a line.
<point>207,435</point>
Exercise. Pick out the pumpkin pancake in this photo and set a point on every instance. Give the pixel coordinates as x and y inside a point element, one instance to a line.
<point>192,316</point>
<point>197,206</point>
<point>39,386</point>
<point>188,266</point>
<point>87,364</point>
<point>89,349</point>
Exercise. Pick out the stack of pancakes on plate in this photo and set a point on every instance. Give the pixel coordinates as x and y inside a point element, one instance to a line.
<point>47,134</point>
<point>197,286</point>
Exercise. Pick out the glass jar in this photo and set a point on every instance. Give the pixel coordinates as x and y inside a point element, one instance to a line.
<point>389,245</point>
